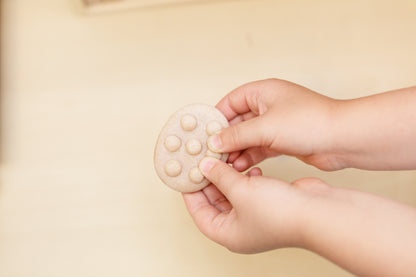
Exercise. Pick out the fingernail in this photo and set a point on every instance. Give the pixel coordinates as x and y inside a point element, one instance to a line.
<point>206,164</point>
<point>215,143</point>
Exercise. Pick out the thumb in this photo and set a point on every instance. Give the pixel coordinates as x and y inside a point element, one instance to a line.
<point>222,175</point>
<point>237,137</point>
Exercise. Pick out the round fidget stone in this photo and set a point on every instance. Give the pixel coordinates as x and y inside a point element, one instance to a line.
<point>188,122</point>
<point>173,168</point>
<point>195,175</point>
<point>193,147</point>
<point>182,144</point>
<point>213,127</point>
<point>172,143</point>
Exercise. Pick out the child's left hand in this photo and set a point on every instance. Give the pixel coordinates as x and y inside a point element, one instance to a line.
<point>249,214</point>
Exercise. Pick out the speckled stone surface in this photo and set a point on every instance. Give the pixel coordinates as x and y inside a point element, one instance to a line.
<point>182,144</point>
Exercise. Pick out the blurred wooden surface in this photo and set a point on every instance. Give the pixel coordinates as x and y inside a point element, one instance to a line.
<point>85,97</point>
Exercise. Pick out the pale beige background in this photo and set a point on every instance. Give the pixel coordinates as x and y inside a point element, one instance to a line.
<point>84,97</point>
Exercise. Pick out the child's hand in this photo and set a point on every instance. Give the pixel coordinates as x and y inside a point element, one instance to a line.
<point>363,233</point>
<point>249,214</point>
<point>273,117</point>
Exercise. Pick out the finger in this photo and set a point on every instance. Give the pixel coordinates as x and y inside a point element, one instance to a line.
<point>217,198</point>
<point>241,136</point>
<point>223,176</point>
<point>206,217</point>
<point>255,171</point>
<point>252,156</point>
<point>233,156</point>
<point>241,100</point>
<point>242,117</point>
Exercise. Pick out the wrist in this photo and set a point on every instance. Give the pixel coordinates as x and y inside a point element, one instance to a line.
<point>315,195</point>
<point>331,149</point>
<point>340,147</point>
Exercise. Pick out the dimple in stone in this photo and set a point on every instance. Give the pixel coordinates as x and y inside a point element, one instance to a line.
<point>195,175</point>
<point>172,143</point>
<point>213,127</point>
<point>188,122</point>
<point>173,168</point>
<point>193,146</point>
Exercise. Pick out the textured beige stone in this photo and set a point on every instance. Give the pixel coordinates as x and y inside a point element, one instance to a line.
<point>182,144</point>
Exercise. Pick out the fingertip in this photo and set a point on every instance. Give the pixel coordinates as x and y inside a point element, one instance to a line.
<point>241,164</point>
<point>225,108</point>
<point>206,165</point>
<point>255,171</point>
<point>233,156</point>
<point>215,143</point>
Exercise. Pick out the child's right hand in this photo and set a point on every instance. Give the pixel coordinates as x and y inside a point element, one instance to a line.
<point>273,117</point>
